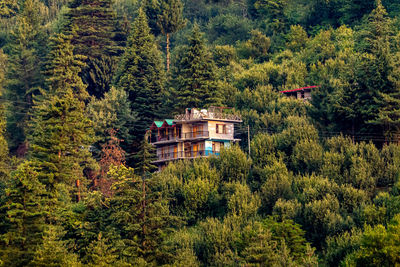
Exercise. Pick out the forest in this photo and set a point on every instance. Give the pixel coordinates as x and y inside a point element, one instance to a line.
<point>311,183</point>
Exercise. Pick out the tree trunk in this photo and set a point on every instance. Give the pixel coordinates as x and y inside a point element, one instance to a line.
<point>168,56</point>
<point>78,186</point>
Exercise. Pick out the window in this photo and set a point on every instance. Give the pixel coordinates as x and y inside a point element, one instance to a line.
<point>221,128</point>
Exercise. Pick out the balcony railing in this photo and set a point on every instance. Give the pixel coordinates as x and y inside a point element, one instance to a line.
<point>192,135</point>
<point>185,154</point>
<point>172,137</point>
<point>162,138</point>
<point>200,115</point>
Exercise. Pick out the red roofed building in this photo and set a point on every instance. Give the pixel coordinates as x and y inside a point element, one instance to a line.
<point>300,93</point>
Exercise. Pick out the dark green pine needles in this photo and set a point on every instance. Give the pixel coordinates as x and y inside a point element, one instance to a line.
<point>142,76</point>
<point>194,77</point>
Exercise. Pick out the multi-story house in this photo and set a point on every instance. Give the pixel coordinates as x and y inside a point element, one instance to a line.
<point>197,133</point>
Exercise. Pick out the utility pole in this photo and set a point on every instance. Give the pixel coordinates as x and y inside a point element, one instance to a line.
<point>248,138</point>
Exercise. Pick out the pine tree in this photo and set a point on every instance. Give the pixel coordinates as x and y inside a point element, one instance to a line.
<point>194,77</point>
<point>102,254</point>
<point>24,72</point>
<point>142,76</point>
<point>170,21</point>
<point>375,75</point>
<point>93,24</point>
<point>152,8</point>
<point>61,132</point>
<point>149,220</point>
<point>53,250</point>
<point>145,157</point>
<point>63,67</point>
<point>25,216</point>
<point>4,166</point>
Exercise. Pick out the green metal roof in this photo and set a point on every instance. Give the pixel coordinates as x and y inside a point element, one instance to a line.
<point>158,123</point>
<point>169,121</point>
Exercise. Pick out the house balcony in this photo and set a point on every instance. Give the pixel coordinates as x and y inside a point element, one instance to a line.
<point>171,138</point>
<point>164,157</point>
<point>165,139</point>
<point>195,135</point>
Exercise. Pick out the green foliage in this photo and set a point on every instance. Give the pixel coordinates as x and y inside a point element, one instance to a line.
<point>228,29</point>
<point>145,157</point>
<point>297,38</point>
<point>379,246</point>
<point>113,111</point>
<point>142,77</point>
<point>170,19</point>
<point>194,79</point>
<point>53,251</point>
<point>233,164</point>
<point>63,67</point>
<point>242,202</point>
<point>256,47</point>
<point>24,213</point>
<point>276,183</point>
<point>8,8</point>
<point>139,215</point>
<point>92,25</point>
<point>340,246</point>
<point>325,170</point>
<point>102,254</point>
<point>4,172</point>
<point>61,133</point>
<point>23,72</point>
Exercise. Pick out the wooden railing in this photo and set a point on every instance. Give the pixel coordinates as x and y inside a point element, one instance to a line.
<point>207,115</point>
<point>185,154</point>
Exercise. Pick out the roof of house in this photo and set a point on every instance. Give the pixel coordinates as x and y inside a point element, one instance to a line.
<point>160,124</point>
<point>170,122</point>
<point>299,89</point>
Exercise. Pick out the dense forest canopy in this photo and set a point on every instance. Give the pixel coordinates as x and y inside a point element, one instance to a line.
<point>310,183</point>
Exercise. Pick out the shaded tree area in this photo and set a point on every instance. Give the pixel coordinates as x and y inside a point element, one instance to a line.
<point>310,183</point>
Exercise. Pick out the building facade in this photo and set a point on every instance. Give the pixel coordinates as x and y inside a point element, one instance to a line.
<point>197,133</point>
<point>303,93</point>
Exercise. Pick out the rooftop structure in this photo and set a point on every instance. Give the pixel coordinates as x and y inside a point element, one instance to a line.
<point>196,133</point>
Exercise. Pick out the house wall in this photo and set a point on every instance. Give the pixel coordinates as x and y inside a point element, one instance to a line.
<point>218,146</point>
<point>188,127</point>
<point>306,94</point>
<point>212,129</point>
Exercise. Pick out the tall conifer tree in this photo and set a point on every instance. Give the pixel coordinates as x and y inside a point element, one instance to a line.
<point>194,77</point>
<point>142,76</point>
<point>62,133</point>
<point>24,72</point>
<point>25,217</point>
<point>378,91</point>
<point>3,143</point>
<point>93,25</point>
<point>149,220</point>
<point>170,21</point>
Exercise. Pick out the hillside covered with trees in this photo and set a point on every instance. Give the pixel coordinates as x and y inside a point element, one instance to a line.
<point>81,81</point>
